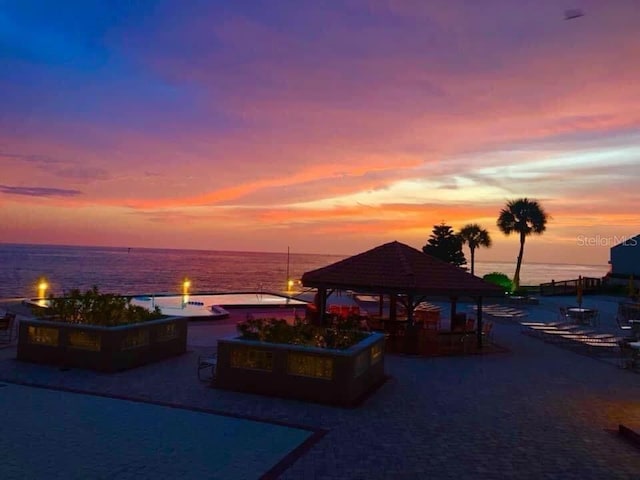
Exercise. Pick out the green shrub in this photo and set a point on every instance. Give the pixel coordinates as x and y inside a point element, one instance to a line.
<point>499,279</point>
<point>95,308</point>
<point>274,330</point>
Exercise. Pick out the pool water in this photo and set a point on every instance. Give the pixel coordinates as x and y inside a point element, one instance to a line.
<point>212,305</point>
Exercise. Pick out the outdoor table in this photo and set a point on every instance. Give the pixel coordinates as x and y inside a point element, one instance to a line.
<point>583,316</point>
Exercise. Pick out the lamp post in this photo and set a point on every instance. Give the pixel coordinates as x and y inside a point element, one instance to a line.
<point>290,281</point>
<point>185,291</point>
<point>42,288</point>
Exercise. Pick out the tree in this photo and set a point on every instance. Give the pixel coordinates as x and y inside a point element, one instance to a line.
<point>524,217</point>
<point>445,245</point>
<point>474,236</point>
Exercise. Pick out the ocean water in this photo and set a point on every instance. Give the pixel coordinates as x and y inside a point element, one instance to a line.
<point>146,271</point>
<point>537,273</point>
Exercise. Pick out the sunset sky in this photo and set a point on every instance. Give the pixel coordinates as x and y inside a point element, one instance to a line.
<point>325,126</point>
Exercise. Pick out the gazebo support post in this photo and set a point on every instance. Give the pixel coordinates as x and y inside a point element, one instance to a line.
<point>321,304</point>
<point>479,322</point>
<point>410,307</point>
<point>454,304</point>
<point>393,307</point>
<point>411,337</point>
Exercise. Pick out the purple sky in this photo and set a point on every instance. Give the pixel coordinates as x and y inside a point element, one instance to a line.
<point>329,127</point>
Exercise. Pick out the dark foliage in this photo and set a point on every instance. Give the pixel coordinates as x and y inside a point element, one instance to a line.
<point>445,245</point>
<point>95,308</point>
<point>340,336</point>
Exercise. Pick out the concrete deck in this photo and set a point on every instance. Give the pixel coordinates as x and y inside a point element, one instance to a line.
<point>538,412</point>
<point>59,434</point>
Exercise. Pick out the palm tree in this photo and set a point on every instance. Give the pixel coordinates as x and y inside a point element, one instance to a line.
<point>524,217</point>
<point>475,236</point>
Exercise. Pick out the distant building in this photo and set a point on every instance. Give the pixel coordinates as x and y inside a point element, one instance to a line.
<point>625,258</point>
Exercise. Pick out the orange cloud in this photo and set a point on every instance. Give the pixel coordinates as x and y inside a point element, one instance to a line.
<point>337,133</point>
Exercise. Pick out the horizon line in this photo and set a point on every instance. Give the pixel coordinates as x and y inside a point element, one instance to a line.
<point>284,252</point>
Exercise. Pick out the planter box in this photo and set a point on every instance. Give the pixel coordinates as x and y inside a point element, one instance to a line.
<point>106,349</point>
<point>340,377</point>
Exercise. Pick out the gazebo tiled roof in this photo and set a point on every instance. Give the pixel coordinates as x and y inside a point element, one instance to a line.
<point>398,268</point>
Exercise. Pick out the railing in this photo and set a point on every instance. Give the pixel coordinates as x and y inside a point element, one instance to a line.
<point>570,287</point>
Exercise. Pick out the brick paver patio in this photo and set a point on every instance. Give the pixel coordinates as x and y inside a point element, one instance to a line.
<point>536,412</point>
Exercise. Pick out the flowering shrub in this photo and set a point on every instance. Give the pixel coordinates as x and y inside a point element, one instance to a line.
<point>340,336</point>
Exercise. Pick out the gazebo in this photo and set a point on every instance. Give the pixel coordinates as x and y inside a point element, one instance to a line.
<point>396,269</point>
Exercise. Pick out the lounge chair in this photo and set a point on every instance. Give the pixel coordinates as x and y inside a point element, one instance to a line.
<point>487,331</point>
<point>623,324</point>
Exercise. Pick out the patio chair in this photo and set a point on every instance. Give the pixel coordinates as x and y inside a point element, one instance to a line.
<point>6,327</point>
<point>428,344</point>
<point>629,356</point>
<point>487,331</point>
<point>364,325</point>
<point>205,362</point>
<point>467,334</point>
<point>563,315</point>
<point>375,323</point>
<point>431,324</point>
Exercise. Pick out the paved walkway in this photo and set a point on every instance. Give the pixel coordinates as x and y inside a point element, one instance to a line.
<point>538,412</point>
<point>57,434</point>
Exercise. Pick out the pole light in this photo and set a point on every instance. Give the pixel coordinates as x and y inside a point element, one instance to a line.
<point>42,289</point>
<point>185,292</point>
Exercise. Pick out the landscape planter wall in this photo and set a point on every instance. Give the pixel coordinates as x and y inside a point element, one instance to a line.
<point>107,349</point>
<point>340,377</point>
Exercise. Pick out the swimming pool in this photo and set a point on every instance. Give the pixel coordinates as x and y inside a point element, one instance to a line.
<point>212,305</point>
<point>205,305</point>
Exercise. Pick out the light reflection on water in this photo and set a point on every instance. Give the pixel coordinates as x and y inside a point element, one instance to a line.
<point>140,271</point>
